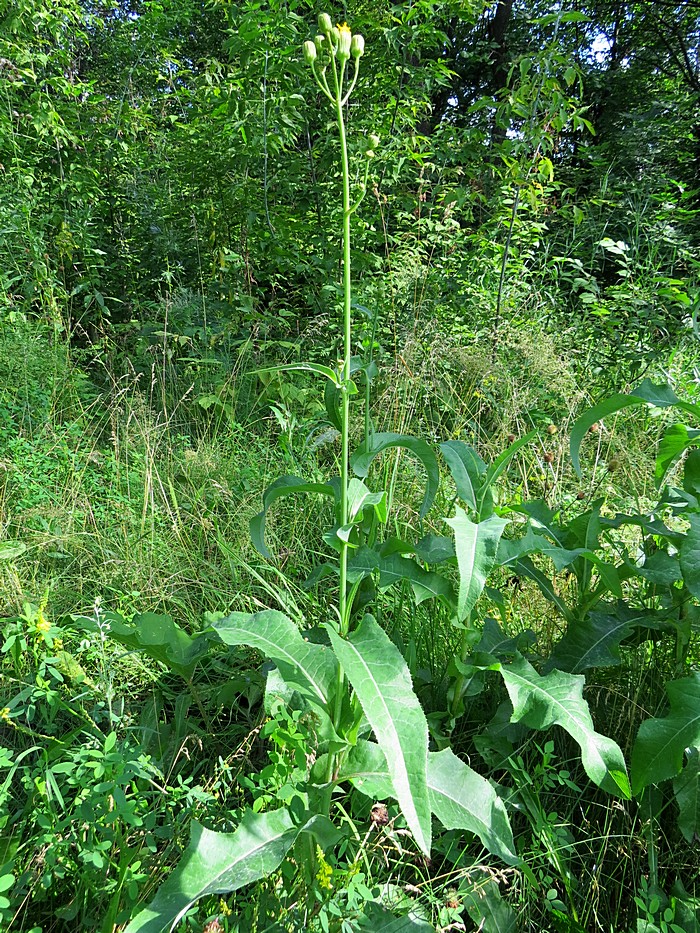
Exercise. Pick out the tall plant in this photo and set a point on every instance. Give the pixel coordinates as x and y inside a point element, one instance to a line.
<point>356,685</point>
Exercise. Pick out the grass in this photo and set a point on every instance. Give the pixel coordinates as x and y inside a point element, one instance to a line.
<point>124,504</point>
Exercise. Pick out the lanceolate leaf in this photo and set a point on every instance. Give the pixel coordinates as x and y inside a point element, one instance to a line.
<point>378,920</point>
<point>382,683</point>
<point>677,438</point>
<point>592,642</point>
<point>686,788</point>
<point>363,457</point>
<point>466,467</point>
<point>218,863</point>
<point>476,546</point>
<point>459,797</point>
<point>394,568</point>
<point>661,743</point>
<point>690,556</point>
<point>500,464</point>
<point>284,486</point>
<point>157,636</point>
<point>661,396</point>
<point>557,699</point>
<point>311,669</point>
<point>488,910</point>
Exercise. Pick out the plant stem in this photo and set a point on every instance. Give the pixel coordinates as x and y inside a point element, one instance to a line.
<point>347,351</point>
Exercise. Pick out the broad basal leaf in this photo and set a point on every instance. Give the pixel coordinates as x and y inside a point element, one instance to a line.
<point>476,545</point>
<point>218,863</point>
<point>459,797</point>
<point>311,669</point>
<point>557,699</point>
<point>382,683</point>
<point>661,743</point>
<point>686,788</point>
<point>363,457</point>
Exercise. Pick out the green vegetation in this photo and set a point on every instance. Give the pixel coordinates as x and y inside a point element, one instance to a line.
<point>349,468</point>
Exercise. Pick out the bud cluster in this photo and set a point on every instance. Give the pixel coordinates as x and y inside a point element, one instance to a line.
<point>336,42</point>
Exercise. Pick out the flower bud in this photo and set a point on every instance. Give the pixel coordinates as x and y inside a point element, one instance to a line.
<point>357,46</point>
<point>335,36</point>
<point>325,23</point>
<point>373,141</point>
<point>344,42</point>
<point>320,42</point>
<point>309,52</point>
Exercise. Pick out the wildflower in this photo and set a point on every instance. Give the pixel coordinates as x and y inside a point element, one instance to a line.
<point>324,873</point>
<point>344,42</point>
<point>325,24</point>
<point>42,624</point>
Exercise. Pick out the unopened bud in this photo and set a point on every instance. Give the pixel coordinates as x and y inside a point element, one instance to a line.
<point>309,52</point>
<point>344,41</point>
<point>320,42</point>
<point>335,36</point>
<point>325,23</point>
<point>373,141</point>
<point>357,46</point>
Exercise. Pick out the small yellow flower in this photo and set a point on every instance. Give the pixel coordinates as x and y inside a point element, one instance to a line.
<point>344,41</point>
<point>42,624</point>
<point>224,908</point>
<point>5,714</point>
<point>324,874</point>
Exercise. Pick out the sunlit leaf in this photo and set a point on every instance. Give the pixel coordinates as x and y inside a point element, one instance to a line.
<point>382,683</point>
<point>557,699</point>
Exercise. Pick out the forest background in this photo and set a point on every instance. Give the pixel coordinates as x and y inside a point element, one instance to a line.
<point>527,247</point>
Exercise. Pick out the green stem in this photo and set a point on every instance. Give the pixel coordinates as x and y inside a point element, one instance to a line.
<point>347,351</point>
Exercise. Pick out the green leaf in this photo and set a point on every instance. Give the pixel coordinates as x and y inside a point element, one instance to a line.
<point>218,863</point>
<point>284,486</point>
<point>363,457</point>
<point>476,545</point>
<point>499,465</point>
<point>661,743</point>
<point>377,919</point>
<point>686,788</point>
<point>466,467</point>
<point>661,396</point>
<point>557,699</point>
<point>487,909</point>
<point>690,556</point>
<point>459,797</point>
<point>317,368</point>
<point>677,438</point>
<point>592,642</point>
<point>9,550</point>
<point>394,568</point>
<point>382,683</point>
<point>309,668</point>
<point>157,636</point>
<point>462,799</point>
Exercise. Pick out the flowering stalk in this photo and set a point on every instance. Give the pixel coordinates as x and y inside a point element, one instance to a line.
<point>328,56</point>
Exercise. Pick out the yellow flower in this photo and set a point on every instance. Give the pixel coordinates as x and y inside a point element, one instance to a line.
<point>5,714</point>
<point>42,624</point>
<point>344,41</point>
<point>324,872</point>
